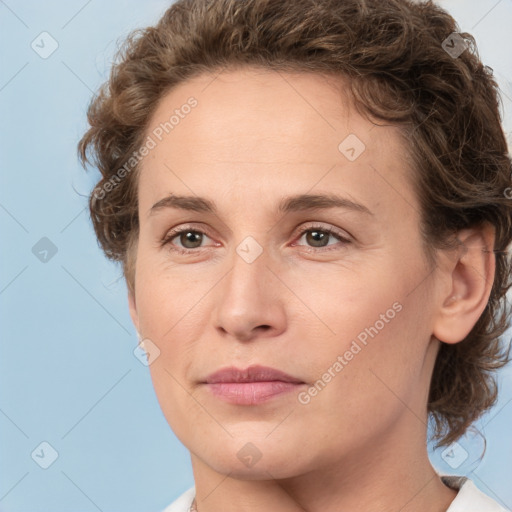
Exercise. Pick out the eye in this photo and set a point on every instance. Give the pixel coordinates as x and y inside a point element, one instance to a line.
<point>187,238</point>
<point>319,236</point>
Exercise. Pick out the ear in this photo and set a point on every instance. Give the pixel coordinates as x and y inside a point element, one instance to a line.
<point>469,279</point>
<point>132,305</point>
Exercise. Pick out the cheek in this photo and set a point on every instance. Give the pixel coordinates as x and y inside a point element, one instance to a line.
<point>348,302</point>
<point>172,308</point>
<point>373,365</point>
<point>374,334</point>
<point>170,299</point>
<point>171,314</point>
<point>362,387</point>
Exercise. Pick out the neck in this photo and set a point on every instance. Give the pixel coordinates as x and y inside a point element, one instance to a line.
<point>388,475</point>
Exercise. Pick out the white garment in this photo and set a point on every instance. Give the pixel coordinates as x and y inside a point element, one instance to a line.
<point>468,499</point>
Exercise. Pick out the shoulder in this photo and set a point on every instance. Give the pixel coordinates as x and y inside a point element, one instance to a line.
<point>469,498</point>
<point>183,502</point>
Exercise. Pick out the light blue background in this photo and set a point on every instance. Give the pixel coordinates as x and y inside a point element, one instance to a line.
<point>68,375</point>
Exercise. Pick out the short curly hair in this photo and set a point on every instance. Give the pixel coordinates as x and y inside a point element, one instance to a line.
<point>397,61</point>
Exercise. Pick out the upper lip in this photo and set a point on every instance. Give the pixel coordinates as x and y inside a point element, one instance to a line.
<point>254,373</point>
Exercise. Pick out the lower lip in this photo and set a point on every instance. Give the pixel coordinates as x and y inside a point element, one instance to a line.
<point>250,393</point>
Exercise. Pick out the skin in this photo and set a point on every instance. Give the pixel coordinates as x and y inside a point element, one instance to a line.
<point>359,444</point>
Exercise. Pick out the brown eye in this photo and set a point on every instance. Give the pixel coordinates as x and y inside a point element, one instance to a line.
<point>319,237</point>
<point>185,240</point>
<point>190,239</point>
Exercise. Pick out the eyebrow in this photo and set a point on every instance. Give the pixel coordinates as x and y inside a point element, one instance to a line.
<point>301,202</point>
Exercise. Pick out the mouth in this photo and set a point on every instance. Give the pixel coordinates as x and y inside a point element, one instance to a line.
<point>250,386</point>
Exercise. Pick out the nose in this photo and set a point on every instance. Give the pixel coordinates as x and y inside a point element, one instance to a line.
<point>250,300</point>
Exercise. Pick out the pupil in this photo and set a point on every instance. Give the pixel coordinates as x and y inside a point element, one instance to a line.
<point>317,238</point>
<point>192,237</point>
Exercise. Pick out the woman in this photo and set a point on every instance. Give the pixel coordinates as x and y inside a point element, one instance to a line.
<point>309,200</point>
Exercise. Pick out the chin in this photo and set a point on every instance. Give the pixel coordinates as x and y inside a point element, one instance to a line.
<point>252,458</point>
<point>263,469</point>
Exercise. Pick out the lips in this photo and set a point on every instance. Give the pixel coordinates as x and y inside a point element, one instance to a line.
<point>254,373</point>
<point>251,386</point>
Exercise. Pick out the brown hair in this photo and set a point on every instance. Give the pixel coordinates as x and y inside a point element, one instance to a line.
<point>394,58</point>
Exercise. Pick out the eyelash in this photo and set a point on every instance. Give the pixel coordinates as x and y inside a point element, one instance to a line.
<point>190,229</point>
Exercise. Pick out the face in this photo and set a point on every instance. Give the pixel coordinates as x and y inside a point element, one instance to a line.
<point>298,249</point>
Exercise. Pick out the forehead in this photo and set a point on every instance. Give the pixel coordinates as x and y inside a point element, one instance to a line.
<point>249,124</point>
<point>267,112</point>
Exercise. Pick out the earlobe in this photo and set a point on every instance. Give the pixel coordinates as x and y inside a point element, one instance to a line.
<point>471,277</point>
